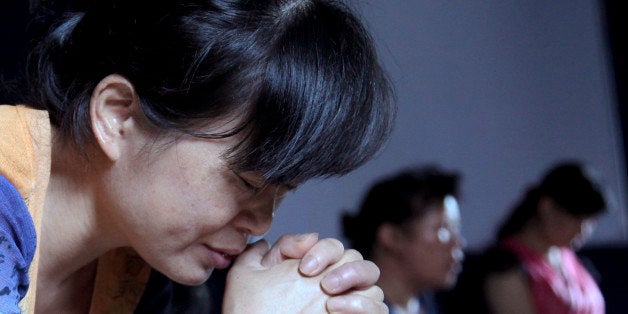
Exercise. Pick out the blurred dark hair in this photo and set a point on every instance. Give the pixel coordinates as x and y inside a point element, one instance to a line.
<point>301,78</point>
<point>396,200</point>
<point>570,184</point>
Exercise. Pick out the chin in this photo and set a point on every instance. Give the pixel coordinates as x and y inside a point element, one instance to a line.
<point>449,281</point>
<point>192,278</point>
<point>448,284</point>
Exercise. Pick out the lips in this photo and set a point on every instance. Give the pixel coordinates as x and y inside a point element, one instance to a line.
<point>222,258</point>
<point>456,262</point>
<point>456,267</point>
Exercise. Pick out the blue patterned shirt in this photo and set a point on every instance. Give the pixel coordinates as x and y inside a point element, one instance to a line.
<point>17,247</point>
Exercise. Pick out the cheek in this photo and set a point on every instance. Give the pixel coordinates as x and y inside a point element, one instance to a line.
<point>178,209</point>
<point>429,263</point>
<point>425,251</point>
<point>206,211</point>
<point>564,231</point>
<point>200,196</point>
<point>575,231</point>
<point>437,253</point>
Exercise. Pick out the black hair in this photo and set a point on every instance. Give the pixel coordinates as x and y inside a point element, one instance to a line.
<point>570,184</point>
<point>301,78</point>
<point>396,200</point>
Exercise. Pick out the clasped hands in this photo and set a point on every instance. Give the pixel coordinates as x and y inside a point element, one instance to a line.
<point>302,274</point>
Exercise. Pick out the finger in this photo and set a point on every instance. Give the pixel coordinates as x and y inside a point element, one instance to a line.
<point>253,254</point>
<point>356,303</point>
<point>289,246</point>
<point>326,252</point>
<point>372,292</point>
<point>351,275</point>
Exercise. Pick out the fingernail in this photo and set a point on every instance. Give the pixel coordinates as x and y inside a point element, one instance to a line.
<point>331,283</point>
<point>309,264</point>
<point>336,304</point>
<point>304,236</point>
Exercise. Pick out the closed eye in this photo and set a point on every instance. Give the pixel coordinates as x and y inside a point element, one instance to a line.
<point>247,184</point>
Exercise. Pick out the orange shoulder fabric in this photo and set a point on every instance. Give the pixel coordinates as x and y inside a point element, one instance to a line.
<point>25,156</point>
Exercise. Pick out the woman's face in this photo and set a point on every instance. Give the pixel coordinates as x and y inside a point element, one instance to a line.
<point>183,209</point>
<point>562,228</point>
<point>433,246</point>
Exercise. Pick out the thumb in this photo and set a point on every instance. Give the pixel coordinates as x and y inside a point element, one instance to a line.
<point>253,254</point>
<point>289,247</point>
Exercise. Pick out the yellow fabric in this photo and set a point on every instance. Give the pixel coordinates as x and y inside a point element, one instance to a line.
<point>120,281</point>
<point>25,155</point>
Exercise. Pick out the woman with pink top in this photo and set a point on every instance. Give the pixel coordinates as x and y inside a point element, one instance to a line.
<point>540,236</point>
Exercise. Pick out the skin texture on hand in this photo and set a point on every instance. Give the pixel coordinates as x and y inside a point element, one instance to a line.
<point>300,274</point>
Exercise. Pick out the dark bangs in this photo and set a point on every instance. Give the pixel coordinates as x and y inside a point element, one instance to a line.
<point>297,81</point>
<point>324,106</point>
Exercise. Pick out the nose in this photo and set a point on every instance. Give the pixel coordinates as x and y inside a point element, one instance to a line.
<point>257,216</point>
<point>254,222</point>
<point>461,242</point>
<point>584,230</point>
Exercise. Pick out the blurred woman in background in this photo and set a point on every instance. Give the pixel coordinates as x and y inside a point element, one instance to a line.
<point>409,225</point>
<point>538,271</point>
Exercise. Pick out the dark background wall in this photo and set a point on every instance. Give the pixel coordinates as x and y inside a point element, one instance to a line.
<point>616,14</point>
<point>13,47</point>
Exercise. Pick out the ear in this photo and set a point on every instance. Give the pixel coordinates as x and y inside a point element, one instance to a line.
<point>111,107</point>
<point>389,236</point>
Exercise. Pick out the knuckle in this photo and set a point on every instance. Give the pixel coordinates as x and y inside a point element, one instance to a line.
<point>333,243</point>
<point>285,237</point>
<point>353,254</point>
